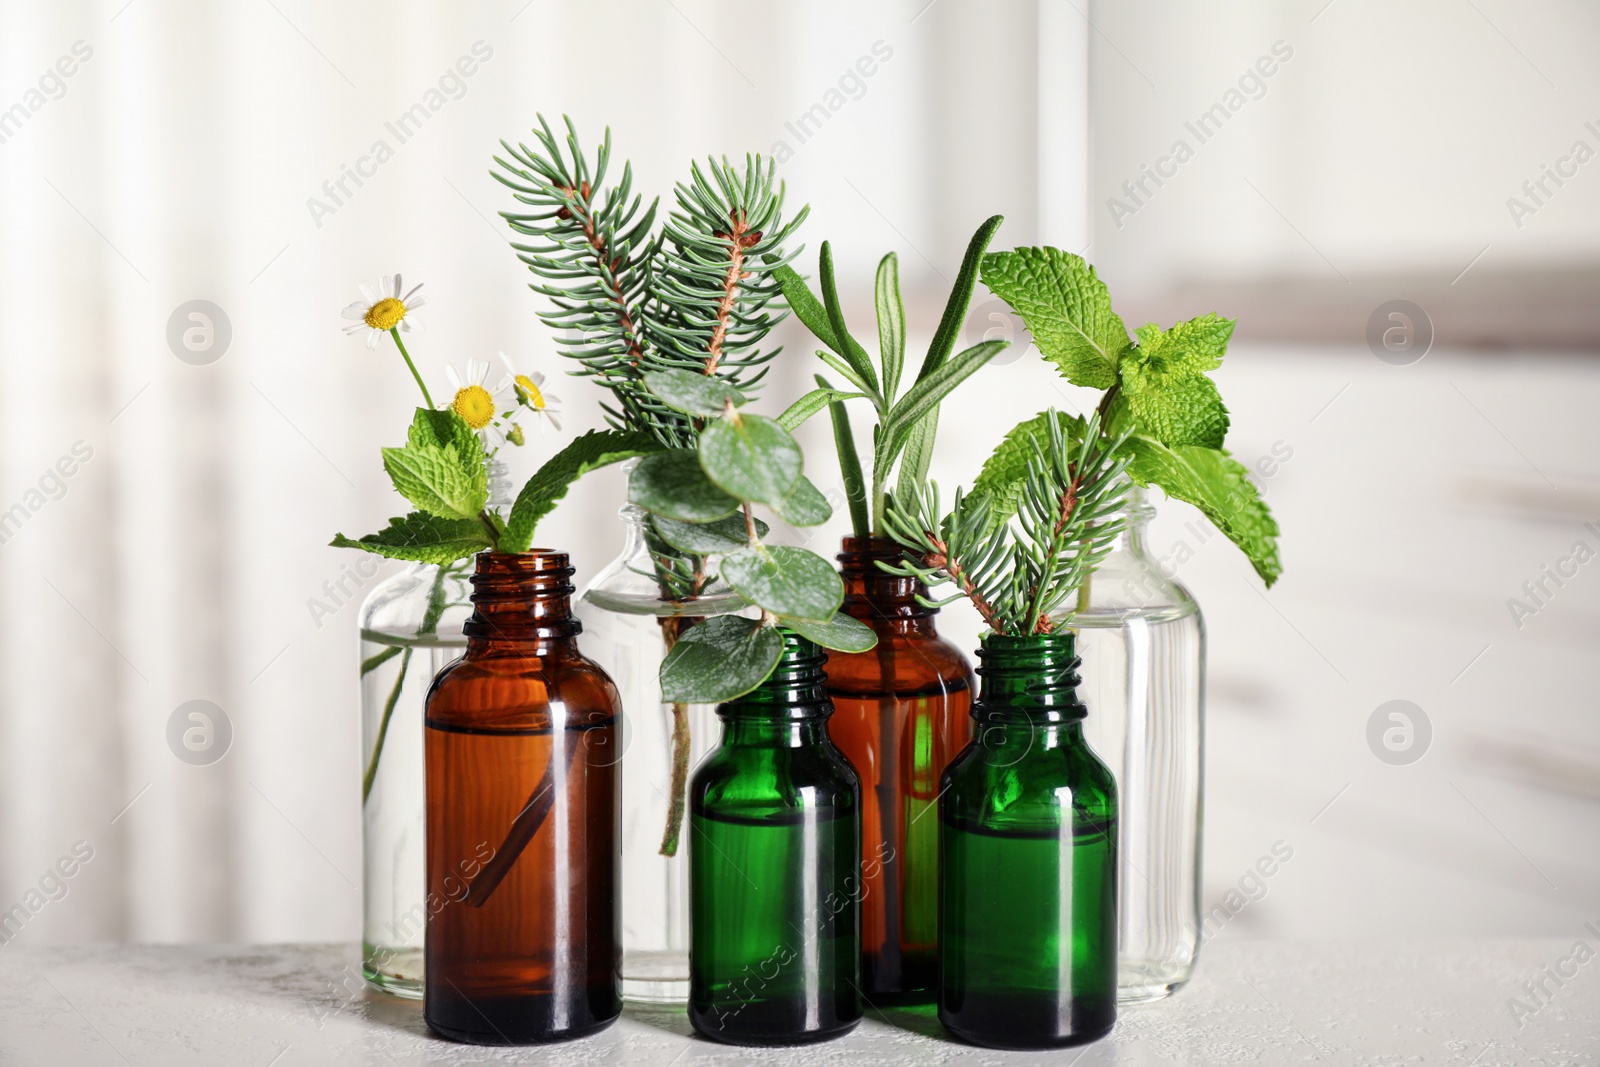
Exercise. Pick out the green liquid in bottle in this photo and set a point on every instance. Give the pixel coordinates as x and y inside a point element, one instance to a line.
<point>775,869</point>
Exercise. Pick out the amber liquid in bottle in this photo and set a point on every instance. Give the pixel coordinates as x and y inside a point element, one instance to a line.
<point>901,713</point>
<point>522,819</point>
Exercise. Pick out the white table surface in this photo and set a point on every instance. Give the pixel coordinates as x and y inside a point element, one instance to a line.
<point>1263,1002</point>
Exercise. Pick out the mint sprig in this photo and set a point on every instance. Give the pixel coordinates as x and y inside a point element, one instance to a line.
<point>1159,398</point>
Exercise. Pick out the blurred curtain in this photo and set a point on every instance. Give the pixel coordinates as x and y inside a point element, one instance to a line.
<point>165,518</point>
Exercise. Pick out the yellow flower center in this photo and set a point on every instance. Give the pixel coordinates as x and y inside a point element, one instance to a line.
<point>385,314</point>
<point>530,392</point>
<point>474,405</point>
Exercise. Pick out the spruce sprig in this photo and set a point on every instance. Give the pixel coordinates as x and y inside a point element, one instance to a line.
<point>713,280</point>
<point>594,254</point>
<point>1019,572</point>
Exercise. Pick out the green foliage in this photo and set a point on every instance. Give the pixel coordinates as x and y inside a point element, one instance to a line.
<point>423,539</point>
<point>692,392</point>
<point>698,297</point>
<point>718,537</point>
<point>439,469</point>
<point>791,582</point>
<point>720,659</point>
<point>1220,487</point>
<point>804,505</point>
<point>549,484</point>
<point>751,458</point>
<point>673,485</point>
<point>442,470</point>
<point>841,633</point>
<point>592,251</point>
<point>1159,399</point>
<point>1018,573</point>
<point>1165,387</point>
<point>999,485</point>
<point>740,460</point>
<point>1066,308</point>
<point>712,280</point>
<point>906,425</point>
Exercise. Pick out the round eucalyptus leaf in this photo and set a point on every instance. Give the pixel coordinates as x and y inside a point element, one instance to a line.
<point>786,581</point>
<point>673,484</point>
<point>692,393</point>
<point>805,505</point>
<point>719,659</point>
<point>715,538</point>
<point>842,633</point>
<point>750,457</point>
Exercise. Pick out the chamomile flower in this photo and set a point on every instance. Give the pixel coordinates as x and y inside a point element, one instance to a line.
<point>383,308</point>
<point>475,399</point>
<point>531,395</point>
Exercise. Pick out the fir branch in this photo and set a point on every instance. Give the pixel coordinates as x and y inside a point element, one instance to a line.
<point>1016,574</point>
<point>713,279</point>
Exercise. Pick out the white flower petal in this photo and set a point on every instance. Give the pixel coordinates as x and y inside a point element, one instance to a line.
<point>372,338</point>
<point>413,304</point>
<point>357,310</point>
<point>407,300</point>
<point>369,294</point>
<point>454,378</point>
<point>391,285</point>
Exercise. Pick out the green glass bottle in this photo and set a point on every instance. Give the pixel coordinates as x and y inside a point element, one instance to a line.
<point>775,868</point>
<point>1028,860</point>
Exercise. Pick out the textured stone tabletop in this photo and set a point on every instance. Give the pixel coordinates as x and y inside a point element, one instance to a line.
<point>1334,1003</point>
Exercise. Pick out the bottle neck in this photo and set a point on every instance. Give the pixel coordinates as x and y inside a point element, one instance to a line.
<point>1031,679</point>
<point>789,709</point>
<point>520,599</point>
<point>1136,513</point>
<point>888,602</point>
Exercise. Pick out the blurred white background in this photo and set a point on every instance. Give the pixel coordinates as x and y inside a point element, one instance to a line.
<point>179,161</point>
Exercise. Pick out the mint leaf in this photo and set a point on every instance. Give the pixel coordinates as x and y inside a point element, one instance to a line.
<point>442,429</point>
<point>999,484</point>
<point>1164,385</point>
<point>1175,409</point>
<point>1195,345</point>
<point>1220,487</point>
<point>549,484</point>
<point>719,659</point>
<point>423,538</point>
<point>437,480</point>
<point>1065,307</point>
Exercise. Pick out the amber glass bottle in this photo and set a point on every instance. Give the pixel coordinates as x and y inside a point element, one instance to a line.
<point>900,714</point>
<point>522,800</point>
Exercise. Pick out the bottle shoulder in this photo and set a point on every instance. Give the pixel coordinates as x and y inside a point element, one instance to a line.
<point>1000,783</point>
<point>561,690</point>
<point>902,663</point>
<point>774,782</point>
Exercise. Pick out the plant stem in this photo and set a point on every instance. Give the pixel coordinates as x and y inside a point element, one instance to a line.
<point>671,627</point>
<point>401,345</point>
<point>383,728</point>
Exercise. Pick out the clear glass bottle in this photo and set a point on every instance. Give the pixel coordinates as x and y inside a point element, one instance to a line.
<point>901,712</point>
<point>775,859</point>
<point>522,790</point>
<point>1142,639</point>
<point>627,628</point>
<point>410,629</point>
<point>1028,860</point>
